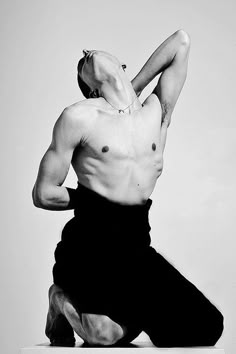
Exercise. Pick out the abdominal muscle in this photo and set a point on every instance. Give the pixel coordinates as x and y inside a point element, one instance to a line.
<point>125,181</point>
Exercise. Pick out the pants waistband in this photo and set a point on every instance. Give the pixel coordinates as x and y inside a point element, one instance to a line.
<point>93,200</point>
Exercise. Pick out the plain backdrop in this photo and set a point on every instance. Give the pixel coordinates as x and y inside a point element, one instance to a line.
<point>193,211</point>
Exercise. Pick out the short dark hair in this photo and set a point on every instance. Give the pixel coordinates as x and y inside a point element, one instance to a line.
<point>85,89</point>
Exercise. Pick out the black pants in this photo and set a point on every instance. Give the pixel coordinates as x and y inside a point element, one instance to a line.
<point>105,263</point>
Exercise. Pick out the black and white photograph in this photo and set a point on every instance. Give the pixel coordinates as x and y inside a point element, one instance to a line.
<point>118,176</point>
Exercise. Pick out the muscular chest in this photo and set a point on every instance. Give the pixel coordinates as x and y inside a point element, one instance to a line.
<point>134,138</point>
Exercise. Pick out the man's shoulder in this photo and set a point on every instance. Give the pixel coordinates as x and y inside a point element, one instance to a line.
<point>153,100</point>
<point>153,105</point>
<point>81,108</point>
<point>81,112</point>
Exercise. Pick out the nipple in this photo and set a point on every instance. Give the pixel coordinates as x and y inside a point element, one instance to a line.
<point>105,148</point>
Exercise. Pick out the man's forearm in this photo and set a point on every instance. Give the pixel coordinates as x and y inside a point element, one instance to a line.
<point>55,198</point>
<point>159,60</point>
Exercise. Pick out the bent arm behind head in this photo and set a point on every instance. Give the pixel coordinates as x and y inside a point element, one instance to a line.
<point>170,59</point>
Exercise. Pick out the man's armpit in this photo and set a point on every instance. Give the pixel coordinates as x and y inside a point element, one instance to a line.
<point>166,113</point>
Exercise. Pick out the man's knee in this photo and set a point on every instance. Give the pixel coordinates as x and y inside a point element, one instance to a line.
<point>217,327</point>
<point>210,329</point>
<point>201,332</point>
<point>101,329</point>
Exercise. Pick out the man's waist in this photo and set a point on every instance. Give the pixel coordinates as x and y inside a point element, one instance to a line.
<point>89,200</point>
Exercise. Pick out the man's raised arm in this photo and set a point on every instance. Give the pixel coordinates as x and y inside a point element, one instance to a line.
<point>170,59</point>
<point>48,192</point>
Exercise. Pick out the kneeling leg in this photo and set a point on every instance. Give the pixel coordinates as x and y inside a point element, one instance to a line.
<point>177,313</point>
<point>64,318</point>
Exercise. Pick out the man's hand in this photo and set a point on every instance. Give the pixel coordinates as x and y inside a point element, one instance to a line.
<point>170,59</point>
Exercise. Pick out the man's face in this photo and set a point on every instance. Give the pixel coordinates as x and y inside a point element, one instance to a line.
<point>98,66</point>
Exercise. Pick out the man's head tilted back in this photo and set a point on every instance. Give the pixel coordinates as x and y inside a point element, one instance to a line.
<point>94,68</point>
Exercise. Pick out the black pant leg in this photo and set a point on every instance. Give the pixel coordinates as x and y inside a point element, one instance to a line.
<point>176,313</point>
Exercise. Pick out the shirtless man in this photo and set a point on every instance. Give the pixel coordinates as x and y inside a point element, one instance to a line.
<point>115,144</point>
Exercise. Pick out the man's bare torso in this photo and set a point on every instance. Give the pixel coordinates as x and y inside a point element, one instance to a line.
<point>121,155</point>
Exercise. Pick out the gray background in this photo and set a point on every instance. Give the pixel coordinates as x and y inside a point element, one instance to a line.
<point>193,211</point>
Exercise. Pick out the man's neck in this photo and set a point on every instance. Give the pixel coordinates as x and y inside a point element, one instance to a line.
<point>119,93</point>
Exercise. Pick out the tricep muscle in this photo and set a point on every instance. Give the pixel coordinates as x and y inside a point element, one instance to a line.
<point>172,78</point>
<point>56,161</point>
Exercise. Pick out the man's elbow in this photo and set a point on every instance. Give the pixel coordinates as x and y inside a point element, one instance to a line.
<point>38,197</point>
<point>183,37</point>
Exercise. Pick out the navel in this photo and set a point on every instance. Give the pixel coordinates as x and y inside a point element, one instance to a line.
<point>105,148</point>
<point>154,146</point>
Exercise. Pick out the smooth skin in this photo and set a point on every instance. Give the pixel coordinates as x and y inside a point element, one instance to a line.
<point>118,155</point>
